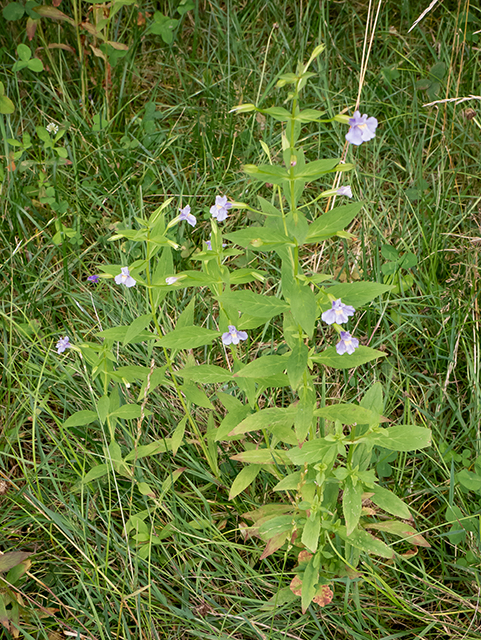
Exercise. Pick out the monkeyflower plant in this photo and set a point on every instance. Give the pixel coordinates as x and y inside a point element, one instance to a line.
<point>326,503</point>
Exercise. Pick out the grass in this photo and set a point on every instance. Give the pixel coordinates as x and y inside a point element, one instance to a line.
<point>170,132</point>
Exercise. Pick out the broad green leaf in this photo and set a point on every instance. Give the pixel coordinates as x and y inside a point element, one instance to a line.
<point>81,418</point>
<point>389,502</point>
<point>330,358</point>
<point>36,65</point>
<point>289,483</point>
<point>278,113</point>
<point>313,170</point>
<point>305,412</point>
<point>366,542</point>
<point>297,363</point>
<point>136,327</point>
<point>12,559</point>
<point>314,451</point>
<point>24,52</point>
<point>262,367</point>
<point>469,480</point>
<point>310,534</point>
<point>188,338</point>
<point>118,334</point>
<point>373,399</point>
<point>103,405</point>
<point>303,306</point>
<point>260,238</point>
<point>254,304</point>
<point>352,504</point>
<point>333,221</point>
<point>309,115</point>
<point>266,419</point>
<point>96,472</point>
<point>186,318</point>
<point>152,449</point>
<point>6,105</point>
<point>130,373</point>
<point>231,420</point>
<point>403,437</point>
<point>195,395</point>
<point>358,294</point>
<point>402,530</point>
<point>205,373</point>
<point>274,174</point>
<point>262,456</point>
<point>348,414</point>
<point>13,11</point>
<point>244,479</point>
<point>275,526</point>
<point>128,412</point>
<point>309,583</point>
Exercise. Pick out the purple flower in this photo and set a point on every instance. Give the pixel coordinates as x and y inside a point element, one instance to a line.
<point>220,208</point>
<point>93,278</point>
<point>125,278</point>
<point>347,344</point>
<point>345,191</point>
<point>362,128</point>
<point>171,280</point>
<point>339,313</point>
<point>186,215</point>
<point>62,344</point>
<point>233,336</point>
<point>209,245</point>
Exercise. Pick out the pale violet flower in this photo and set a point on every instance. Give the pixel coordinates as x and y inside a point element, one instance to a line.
<point>125,278</point>
<point>62,344</point>
<point>220,208</point>
<point>339,313</point>
<point>209,245</point>
<point>52,128</point>
<point>171,280</point>
<point>93,278</point>
<point>345,191</point>
<point>347,344</point>
<point>362,128</point>
<point>233,336</point>
<point>186,215</point>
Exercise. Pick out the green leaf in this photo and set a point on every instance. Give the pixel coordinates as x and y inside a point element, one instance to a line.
<point>262,456</point>
<point>403,437</point>
<point>188,338</point>
<point>366,542</point>
<point>373,399</point>
<point>136,327</point>
<point>278,113</point>
<point>81,418</point>
<point>310,534</point>
<point>96,472</point>
<point>330,358</point>
<point>24,52</point>
<point>314,451</point>
<point>127,412</point>
<point>35,65</point>
<point>297,363</point>
<point>402,530</point>
<point>6,105</point>
<point>348,414</point>
<point>13,11</point>
<point>231,420</point>
<point>103,405</point>
<point>358,294</point>
<point>352,504</point>
<point>178,435</point>
<point>438,70</point>
<point>205,373</point>
<point>389,502</point>
<point>260,238</point>
<point>266,419</point>
<point>254,304</point>
<point>12,559</point>
<point>333,221</point>
<point>309,583</point>
<point>303,306</point>
<point>152,449</point>
<point>274,174</point>
<point>313,170</point>
<point>195,395</point>
<point>262,368</point>
<point>244,479</point>
<point>130,373</point>
<point>186,318</point>
<point>469,480</point>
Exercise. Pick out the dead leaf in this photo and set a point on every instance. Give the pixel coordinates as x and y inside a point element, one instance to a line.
<point>296,586</point>
<point>323,595</point>
<point>31,28</point>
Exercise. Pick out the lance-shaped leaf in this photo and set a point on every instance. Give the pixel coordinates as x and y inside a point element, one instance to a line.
<point>357,293</point>
<point>333,221</point>
<point>274,174</point>
<point>330,358</point>
<point>136,327</point>
<point>366,542</point>
<point>244,479</point>
<point>12,559</point>
<point>266,419</point>
<point>188,338</point>
<point>254,304</point>
<point>303,306</point>
<point>151,449</point>
<point>348,414</point>
<point>260,238</point>
<point>314,451</point>
<point>205,373</point>
<point>309,583</point>
<point>313,170</point>
<point>404,437</point>
<point>297,363</point>
<point>389,502</point>
<point>54,13</point>
<point>262,456</point>
<point>402,530</point>
<point>310,533</point>
<point>263,368</point>
<point>352,504</point>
